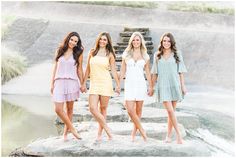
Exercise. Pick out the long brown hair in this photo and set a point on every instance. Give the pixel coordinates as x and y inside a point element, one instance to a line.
<point>77,50</point>
<point>109,46</point>
<point>173,47</point>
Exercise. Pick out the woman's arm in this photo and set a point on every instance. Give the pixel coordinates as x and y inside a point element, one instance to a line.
<point>183,88</point>
<point>122,70</point>
<point>54,69</point>
<point>148,76</point>
<point>154,71</point>
<point>114,72</point>
<point>80,72</point>
<point>154,79</point>
<point>87,72</point>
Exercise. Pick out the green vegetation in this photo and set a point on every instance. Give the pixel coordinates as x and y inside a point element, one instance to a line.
<point>13,65</point>
<point>133,4</point>
<point>199,7</point>
<point>7,20</point>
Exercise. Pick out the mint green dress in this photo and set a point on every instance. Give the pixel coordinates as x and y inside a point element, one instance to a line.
<point>168,86</point>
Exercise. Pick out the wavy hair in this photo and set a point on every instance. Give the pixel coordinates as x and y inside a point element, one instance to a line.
<point>77,50</point>
<point>173,46</point>
<point>130,48</point>
<point>109,47</point>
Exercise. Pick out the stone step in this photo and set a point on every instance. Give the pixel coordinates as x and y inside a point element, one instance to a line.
<point>121,145</point>
<point>153,130</point>
<point>126,39</point>
<point>128,29</point>
<point>120,52</point>
<point>129,34</point>
<point>118,58</point>
<point>117,113</point>
<point>150,114</point>
<point>122,47</point>
<point>126,43</point>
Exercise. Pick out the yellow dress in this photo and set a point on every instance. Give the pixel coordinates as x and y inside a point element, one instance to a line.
<point>100,78</point>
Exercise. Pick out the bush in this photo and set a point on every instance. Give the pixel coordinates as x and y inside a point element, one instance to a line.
<point>132,4</point>
<point>7,20</point>
<point>200,7</point>
<point>13,65</point>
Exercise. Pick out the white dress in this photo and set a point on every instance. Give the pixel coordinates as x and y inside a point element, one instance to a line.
<point>135,84</point>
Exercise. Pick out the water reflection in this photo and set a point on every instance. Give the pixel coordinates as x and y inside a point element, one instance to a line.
<point>20,127</point>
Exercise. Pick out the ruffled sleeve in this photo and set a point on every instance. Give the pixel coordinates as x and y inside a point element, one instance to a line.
<point>154,65</point>
<point>181,65</point>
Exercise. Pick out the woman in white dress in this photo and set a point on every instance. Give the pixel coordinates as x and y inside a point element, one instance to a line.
<point>134,61</point>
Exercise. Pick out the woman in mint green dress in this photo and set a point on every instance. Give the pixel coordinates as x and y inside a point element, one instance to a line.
<point>167,73</point>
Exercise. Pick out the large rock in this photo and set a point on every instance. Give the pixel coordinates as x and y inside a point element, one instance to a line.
<point>119,146</point>
<point>150,114</point>
<point>117,113</point>
<point>153,130</point>
<point>114,113</point>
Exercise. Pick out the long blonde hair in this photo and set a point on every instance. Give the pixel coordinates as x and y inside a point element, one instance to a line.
<point>130,49</point>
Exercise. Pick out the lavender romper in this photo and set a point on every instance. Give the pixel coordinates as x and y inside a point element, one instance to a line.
<point>66,85</point>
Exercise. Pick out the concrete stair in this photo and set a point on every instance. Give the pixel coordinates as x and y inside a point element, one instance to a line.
<point>125,36</point>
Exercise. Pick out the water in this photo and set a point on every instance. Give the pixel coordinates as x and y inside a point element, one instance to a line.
<point>219,146</point>
<point>20,126</point>
<point>27,118</point>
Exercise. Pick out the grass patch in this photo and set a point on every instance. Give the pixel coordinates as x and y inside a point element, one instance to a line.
<point>132,4</point>
<point>199,7</point>
<point>7,20</point>
<point>13,64</point>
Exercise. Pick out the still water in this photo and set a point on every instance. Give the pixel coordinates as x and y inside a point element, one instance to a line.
<point>21,125</point>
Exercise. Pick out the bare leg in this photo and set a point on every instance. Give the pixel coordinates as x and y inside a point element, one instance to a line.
<point>173,119</point>
<point>103,109</point>
<point>93,107</point>
<point>69,111</point>
<point>63,116</point>
<point>170,126</point>
<point>132,113</point>
<point>138,109</point>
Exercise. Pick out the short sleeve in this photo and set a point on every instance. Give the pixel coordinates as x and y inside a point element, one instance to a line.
<point>181,65</point>
<point>154,65</point>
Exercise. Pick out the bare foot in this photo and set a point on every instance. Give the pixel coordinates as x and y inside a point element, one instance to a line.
<point>167,140</point>
<point>110,137</point>
<point>65,137</point>
<point>179,141</point>
<point>109,134</point>
<point>99,138</point>
<point>132,138</point>
<point>145,137</point>
<point>76,134</point>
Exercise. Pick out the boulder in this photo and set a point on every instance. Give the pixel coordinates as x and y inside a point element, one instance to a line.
<point>119,146</point>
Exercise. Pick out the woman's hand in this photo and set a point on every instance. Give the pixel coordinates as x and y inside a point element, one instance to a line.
<point>117,89</point>
<point>150,91</point>
<point>184,90</point>
<point>83,88</point>
<point>52,88</point>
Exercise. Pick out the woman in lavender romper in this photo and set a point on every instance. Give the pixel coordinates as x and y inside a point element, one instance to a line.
<point>67,77</point>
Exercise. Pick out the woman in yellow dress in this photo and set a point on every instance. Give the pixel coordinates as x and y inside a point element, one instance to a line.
<point>100,60</point>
